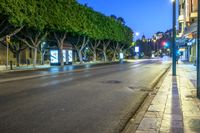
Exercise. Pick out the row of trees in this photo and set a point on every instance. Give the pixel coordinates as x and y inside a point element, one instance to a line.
<point>31,22</point>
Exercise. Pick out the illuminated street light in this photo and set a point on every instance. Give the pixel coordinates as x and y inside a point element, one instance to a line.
<point>137,34</point>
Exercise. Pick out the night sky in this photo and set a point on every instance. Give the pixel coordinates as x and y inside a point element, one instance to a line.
<point>144,16</point>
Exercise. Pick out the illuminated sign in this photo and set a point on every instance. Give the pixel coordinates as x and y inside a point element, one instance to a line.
<point>137,49</point>
<point>70,59</point>
<point>121,56</point>
<point>54,56</point>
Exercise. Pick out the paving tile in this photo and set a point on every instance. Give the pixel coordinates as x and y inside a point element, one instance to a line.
<point>172,117</point>
<point>191,113</point>
<point>190,108</point>
<point>192,123</point>
<point>149,131</point>
<point>153,114</point>
<point>171,130</point>
<point>149,123</point>
<point>188,130</point>
<point>156,108</point>
<point>172,124</point>
<point>173,110</point>
<point>164,130</point>
<point>175,105</point>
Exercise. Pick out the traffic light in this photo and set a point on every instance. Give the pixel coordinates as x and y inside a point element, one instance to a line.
<point>165,44</point>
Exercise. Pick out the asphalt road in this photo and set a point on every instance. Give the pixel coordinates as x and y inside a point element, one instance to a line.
<point>98,99</point>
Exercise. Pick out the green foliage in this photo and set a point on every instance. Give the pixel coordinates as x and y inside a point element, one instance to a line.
<point>65,16</point>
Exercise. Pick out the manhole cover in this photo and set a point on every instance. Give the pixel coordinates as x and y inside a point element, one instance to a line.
<point>112,82</point>
<point>130,87</point>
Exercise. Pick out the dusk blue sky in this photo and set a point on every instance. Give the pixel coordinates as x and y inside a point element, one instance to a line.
<point>144,16</point>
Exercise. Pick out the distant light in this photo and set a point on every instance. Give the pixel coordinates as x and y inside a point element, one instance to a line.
<point>137,49</point>
<point>137,33</point>
<point>189,43</point>
<point>43,43</point>
<point>165,44</point>
<point>178,52</point>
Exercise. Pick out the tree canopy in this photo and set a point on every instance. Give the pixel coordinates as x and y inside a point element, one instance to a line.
<point>61,17</point>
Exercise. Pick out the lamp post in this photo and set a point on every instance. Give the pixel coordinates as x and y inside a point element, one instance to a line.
<point>174,39</point>
<point>198,52</point>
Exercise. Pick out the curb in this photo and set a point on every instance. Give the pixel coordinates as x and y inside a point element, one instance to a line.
<point>38,69</point>
<point>130,125</point>
<point>98,66</point>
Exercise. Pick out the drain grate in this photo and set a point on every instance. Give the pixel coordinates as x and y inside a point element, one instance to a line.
<point>113,82</point>
<point>130,87</point>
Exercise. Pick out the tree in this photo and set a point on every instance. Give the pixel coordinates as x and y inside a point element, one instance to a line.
<point>34,32</point>
<point>17,47</point>
<point>80,45</point>
<point>121,20</point>
<point>33,39</point>
<point>93,47</point>
<point>12,17</point>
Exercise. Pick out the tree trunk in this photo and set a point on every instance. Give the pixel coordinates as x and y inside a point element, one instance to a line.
<point>35,58</point>
<point>94,56</point>
<point>80,56</point>
<point>18,58</point>
<point>61,57</point>
<point>105,56</point>
<point>114,56</point>
<point>75,56</point>
<point>85,54</point>
<point>42,58</point>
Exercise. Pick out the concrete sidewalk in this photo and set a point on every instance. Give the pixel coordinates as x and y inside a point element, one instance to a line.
<point>175,108</point>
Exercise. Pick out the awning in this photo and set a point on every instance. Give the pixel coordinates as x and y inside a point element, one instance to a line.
<point>181,41</point>
<point>184,42</point>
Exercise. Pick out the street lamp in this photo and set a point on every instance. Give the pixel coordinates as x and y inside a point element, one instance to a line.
<point>174,39</point>
<point>136,35</point>
<point>198,52</point>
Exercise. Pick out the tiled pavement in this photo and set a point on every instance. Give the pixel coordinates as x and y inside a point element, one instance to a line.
<point>175,108</point>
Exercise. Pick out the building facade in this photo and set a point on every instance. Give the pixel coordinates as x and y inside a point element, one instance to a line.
<point>187,19</point>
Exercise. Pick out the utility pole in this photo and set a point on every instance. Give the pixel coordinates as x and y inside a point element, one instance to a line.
<point>174,40</point>
<point>198,52</point>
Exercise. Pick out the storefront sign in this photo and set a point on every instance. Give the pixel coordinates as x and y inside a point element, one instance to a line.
<point>54,56</point>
